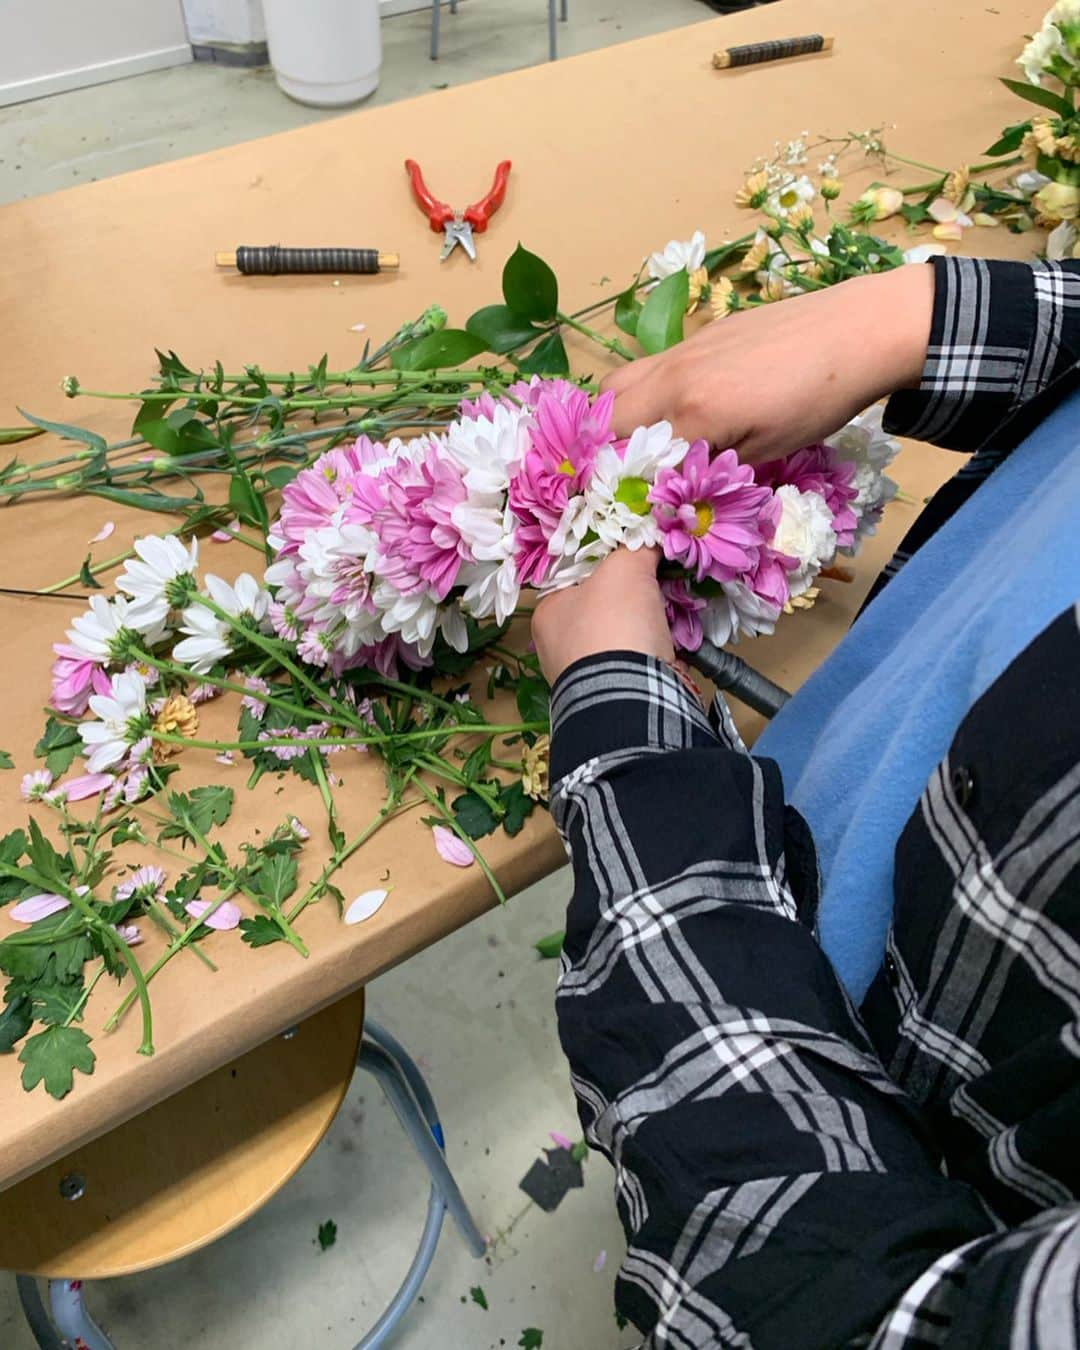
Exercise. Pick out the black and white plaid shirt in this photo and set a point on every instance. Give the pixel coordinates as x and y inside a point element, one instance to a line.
<point>791,1173</point>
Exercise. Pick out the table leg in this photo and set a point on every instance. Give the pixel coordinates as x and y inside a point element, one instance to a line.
<point>552,47</point>
<point>74,1323</point>
<point>564,10</point>
<point>436,6</point>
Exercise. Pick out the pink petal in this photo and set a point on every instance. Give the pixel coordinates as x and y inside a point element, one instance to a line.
<point>130,933</point>
<point>600,1262</point>
<point>104,532</point>
<point>224,917</point>
<point>223,536</point>
<point>561,1140</point>
<point>38,907</point>
<point>942,210</point>
<point>451,849</point>
<point>86,785</point>
<point>950,230</point>
<point>364,906</point>
<point>225,757</point>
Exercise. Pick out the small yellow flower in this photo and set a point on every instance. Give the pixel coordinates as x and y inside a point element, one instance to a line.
<point>1056,202</point>
<point>878,203</point>
<point>986,220</point>
<point>699,285</point>
<point>534,769</point>
<point>1068,149</point>
<point>723,298</point>
<point>772,288</point>
<point>754,191</point>
<point>801,219</point>
<point>755,257</point>
<point>177,718</point>
<point>811,270</point>
<point>831,188</point>
<point>804,601</point>
<point>1042,134</point>
<point>956,185</point>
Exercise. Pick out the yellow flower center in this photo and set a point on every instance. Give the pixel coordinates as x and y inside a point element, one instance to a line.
<point>789,199</point>
<point>705,517</point>
<point>567,468</point>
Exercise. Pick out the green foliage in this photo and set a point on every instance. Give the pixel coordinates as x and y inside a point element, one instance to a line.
<point>660,324</point>
<point>68,433</point>
<point>548,357</point>
<point>198,811</point>
<point>500,328</point>
<point>247,501</point>
<point>59,744</point>
<point>260,931</point>
<point>6,762</point>
<point>532,1338</point>
<point>15,1021</point>
<point>1035,93</point>
<point>52,1056</point>
<point>276,878</point>
<point>551,946</point>
<point>474,815</point>
<point>1010,139</point>
<point>12,435</point>
<point>437,351</point>
<point>530,287</point>
<point>533,698</point>
<point>516,807</point>
<point>327,1234</point>
<point>87,578</point>
<point>478,1296</point>
<point>628,310</point>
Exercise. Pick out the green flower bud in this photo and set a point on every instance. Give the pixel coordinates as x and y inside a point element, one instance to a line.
<point>433,318</point>
<point>69,385</point>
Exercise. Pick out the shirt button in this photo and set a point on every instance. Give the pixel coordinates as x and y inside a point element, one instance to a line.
<point>892,974</point>
<point>963,784</point>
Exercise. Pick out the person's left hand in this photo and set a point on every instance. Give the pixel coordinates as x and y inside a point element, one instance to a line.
<point>619,608</point>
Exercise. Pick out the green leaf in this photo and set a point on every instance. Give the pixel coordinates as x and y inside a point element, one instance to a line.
<point>628,310</point>
<point>551,946</point>
<point>474,815</point>
<point>259,931</point>
<point>479,1297</point>
<point>580,1151</point>
<point>475,766</point>
<point>318,375</point>
<point>724,254</point>
<point>437,351</point>
<point>46,862</point>
<point>170,363</point>
<point>69,433</point>
<point>1010,139</point>
<point>529,286</point>
<point>532,1338</point>
<point>327,1234</point>
<point>151,425</point>
<point>517,807</point>
<point>660,324</point>
<point>15,1022</point>
<point>55,1004</point>
<point>246,501</point>
<point>13,846</point>
<point>56,736</point>
<point>87,578</point>
<point>500,328</point>
<point>52,1056</point>
<point>6,762</point>
<point>915,212</point>
<point>548,357</point>
<point>1034,93</point>
<point>281,476</point>
<point>12,435</point>
<point>276,878</point>
<point>533,699</point>
<point>201,810</point>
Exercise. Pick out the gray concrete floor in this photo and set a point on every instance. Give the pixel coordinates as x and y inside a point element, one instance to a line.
<point>58,142</point>
<point>476,1010</point>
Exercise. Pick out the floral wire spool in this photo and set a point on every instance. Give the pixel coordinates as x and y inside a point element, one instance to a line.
<point>779,49</point>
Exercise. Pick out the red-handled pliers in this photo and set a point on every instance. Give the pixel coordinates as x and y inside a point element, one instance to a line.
<point>458,227</point>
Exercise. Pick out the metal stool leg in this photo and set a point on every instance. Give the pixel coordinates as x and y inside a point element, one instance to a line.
<point>72,1320</point>
<point>552,47</point>
<point>436,6</point>
<point>37,1318</point>
<point>564,11</point>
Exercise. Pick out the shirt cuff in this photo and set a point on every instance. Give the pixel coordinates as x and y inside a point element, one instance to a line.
<point>621,701</point>
<point>1001,333</point>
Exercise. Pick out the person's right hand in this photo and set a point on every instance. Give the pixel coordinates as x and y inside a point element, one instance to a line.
<point>769,380</point>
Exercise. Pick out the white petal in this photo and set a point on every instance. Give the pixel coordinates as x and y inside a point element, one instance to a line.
<point>104,532</point>
<point>364,906</point>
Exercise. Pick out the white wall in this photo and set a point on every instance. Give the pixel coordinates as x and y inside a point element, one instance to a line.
<point>50,45</point>
<point>241,20</point>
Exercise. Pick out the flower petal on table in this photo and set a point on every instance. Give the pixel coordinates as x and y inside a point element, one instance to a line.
<point>451,849</point>
<point>104,532</point>
<point>85,785</point>
<point>226,536</point>
<point>364,906</point>
<point>225,917</point>
<point>38,907</point>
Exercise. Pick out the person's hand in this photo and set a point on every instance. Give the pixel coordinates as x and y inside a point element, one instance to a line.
<point>618,608</point>
<point>784,375</point>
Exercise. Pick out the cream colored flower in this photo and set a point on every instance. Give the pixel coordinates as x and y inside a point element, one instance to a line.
<point>756,256</point>
<point>699,284</point>
<point>878,203</point>
<point>985,220</point>
<point>723,298</point>
<point>1056,202</point>
<point>804,601</point>
<point>1061,242</point>
<point>754,191</point>
<point>1042,133</point>
<point>956,185</point>
<point>802,218</point>
<point>1040,51</point>
<point>1068,149</point>
<point>773,288</point>
<point>831,188</point>
<point>948,229</point>
<point>535,766</point>
<point>178,717</point>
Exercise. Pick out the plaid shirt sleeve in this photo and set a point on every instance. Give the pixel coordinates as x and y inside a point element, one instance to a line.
<point>1002,333</point>
<point>776,1187</point>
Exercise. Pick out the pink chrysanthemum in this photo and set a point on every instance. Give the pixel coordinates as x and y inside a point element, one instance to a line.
<point>818,468</point>
<point>683,608</point>
<point>74,678</point>
<point>709,514</point>
<point>419,544</point>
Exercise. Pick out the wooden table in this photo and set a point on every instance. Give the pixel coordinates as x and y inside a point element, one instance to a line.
<point>613,153</point>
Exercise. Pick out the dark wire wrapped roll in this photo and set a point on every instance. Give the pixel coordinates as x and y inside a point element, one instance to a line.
<point>732,674</point>
<point>274,260</point>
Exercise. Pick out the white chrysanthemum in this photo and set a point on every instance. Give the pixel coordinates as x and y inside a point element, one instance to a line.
<point>420,617</point>
<point>805,532</point>
<point>211,638</point>
<point>107,631</point>
<point>619,512</point>
<point>491,582</point>
<point>736,611</point>
<point>336,563</point>
<point>678,255</point>
<point>122,722</point>
<point>489,449</point>
<point>865,441</point>
<point>162,578</point>
<point>789,195</point>
<point>1036,56</point>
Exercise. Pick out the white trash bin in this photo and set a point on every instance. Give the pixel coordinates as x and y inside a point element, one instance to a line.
<point>324,52</point>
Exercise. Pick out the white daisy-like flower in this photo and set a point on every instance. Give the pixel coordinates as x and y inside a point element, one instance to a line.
<point>336,564</point>
<point>162,577</point>
<point>790,194</point>
<point>212,638</point>
<point>736,612</point>
<point>619,511</point>
<point>35,785</point>
<point>865,440</point>
<point>420,617</point>
<point>1038,53</point>
<point>678,255</point>
<point>489,449</point>
<point>491,583</point>
<point>804,532</point>
<point>122,722</point>
<point>107,632</point>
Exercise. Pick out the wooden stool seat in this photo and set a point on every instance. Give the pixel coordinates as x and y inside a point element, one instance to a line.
<point>190,1169</point>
